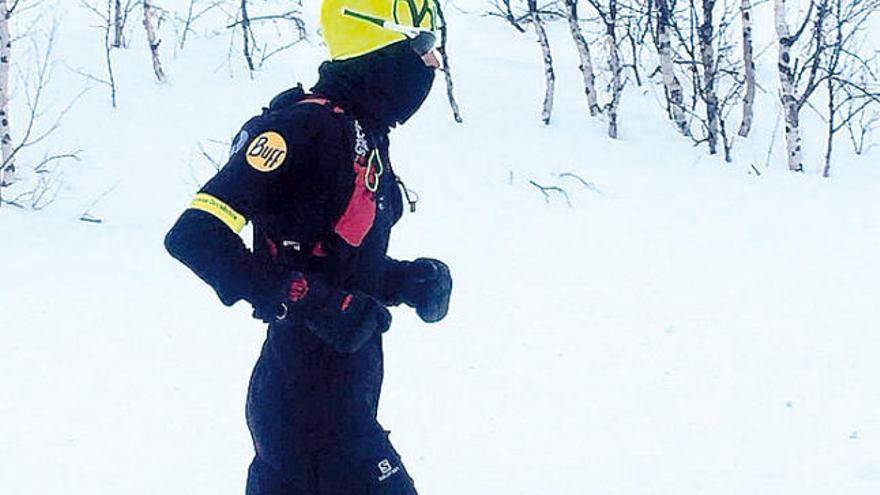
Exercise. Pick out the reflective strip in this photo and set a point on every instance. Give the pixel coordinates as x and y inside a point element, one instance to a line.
<point>209,204</point>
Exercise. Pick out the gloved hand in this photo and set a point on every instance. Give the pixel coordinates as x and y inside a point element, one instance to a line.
<point>347,320</point>
<point>343,319</point>
<point>425,284</point>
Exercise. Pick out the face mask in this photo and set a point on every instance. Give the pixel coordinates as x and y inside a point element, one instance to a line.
<point>385,87</point>
<point>413,82</point>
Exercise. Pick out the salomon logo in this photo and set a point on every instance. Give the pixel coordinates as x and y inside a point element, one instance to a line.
<point>386,470</point>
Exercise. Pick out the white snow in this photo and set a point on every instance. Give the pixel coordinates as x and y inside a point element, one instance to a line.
<point>689,328</point>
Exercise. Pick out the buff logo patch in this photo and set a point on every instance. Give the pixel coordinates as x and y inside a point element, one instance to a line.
<point>267,152</point>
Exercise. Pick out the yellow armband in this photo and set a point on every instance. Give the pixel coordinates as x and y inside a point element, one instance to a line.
<point>222,211</point>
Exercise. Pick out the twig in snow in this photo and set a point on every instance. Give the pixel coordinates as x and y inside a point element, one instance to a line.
<point>213,161</point>
<point>545,190</point>
<point>589,185</point>
<point>87,215</point>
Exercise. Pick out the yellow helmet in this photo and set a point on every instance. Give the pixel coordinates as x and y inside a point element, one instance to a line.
<point>352,28</point>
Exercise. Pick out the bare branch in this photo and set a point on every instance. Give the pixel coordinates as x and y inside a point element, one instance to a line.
<point>546,190</point>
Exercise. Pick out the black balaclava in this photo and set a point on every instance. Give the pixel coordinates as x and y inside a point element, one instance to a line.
<point>383,88</point>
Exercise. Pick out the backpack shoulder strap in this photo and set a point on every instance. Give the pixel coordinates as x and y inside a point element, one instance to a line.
<point>322,101</point>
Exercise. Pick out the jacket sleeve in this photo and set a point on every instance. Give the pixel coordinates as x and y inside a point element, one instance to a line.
<point>206,236</point>
<point>219,257</point>
<point>391,274</point>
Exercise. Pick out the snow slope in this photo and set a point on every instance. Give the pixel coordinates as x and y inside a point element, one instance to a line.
<point>685,327</point>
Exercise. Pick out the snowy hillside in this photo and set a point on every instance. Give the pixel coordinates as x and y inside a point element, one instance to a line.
<point>685,327</point>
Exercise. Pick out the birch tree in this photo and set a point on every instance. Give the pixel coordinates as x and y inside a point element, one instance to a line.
<point>549,75</point>
<point>615,67</point>
<point>829,58</point>
<point>121,11</point>
<point>7,168</point>
<point>586,60</point>
<point>708,91</point>
<point>608,14</point>
<point>723,79</point>
<point>37,182</point>
<point>787,94</point>
<point>748,111</point>
<point>152,39</point>
<point>703,44</point>
<point>672,86</point>
<point>834,57</point>
<point>118,24</point>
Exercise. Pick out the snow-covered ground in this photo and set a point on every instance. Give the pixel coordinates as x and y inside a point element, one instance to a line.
<point>685,327</point>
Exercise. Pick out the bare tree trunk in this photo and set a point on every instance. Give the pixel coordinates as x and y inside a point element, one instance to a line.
<point>549,75</point>
<point>726,142</point>
<point>111,77</point>
<point>150,27</point>
<point>832,111</point>
<point>7,168</point>
<point>188,23</point>
<point>586,59</point>
<point>616,69</point>
<point>749,67</point>
<point>632,26</point>
<point>710,97</point>
<point>674,92</point>
<point>246,31</point>
<point>118,24</point>
<point>787,91</point>
<point>447,70</point>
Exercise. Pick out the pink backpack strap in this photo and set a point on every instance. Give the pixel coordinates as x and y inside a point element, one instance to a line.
<point>324,102</point>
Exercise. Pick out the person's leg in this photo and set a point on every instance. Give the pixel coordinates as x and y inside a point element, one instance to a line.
<point>263,479</point>
<point>266,403</point>
<point>365,466</point>
<point>282,464</point>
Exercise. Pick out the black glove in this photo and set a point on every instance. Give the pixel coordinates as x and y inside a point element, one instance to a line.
<point>425,284</point>
<point>343,319</point>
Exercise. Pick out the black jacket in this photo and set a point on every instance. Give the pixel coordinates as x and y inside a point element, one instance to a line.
<point>322,197</point>
<point>314,177</point>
